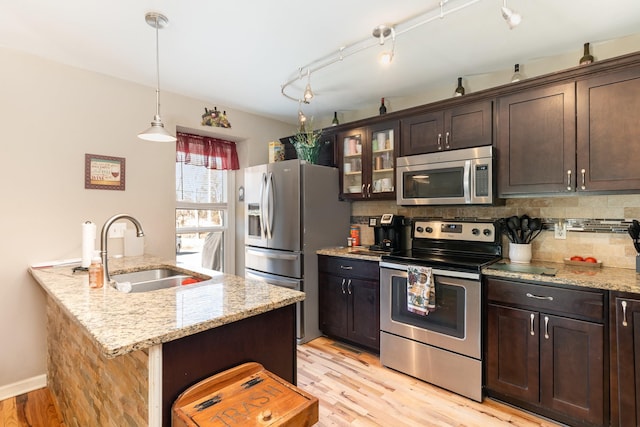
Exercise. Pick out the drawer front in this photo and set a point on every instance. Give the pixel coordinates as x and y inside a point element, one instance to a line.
<point>348,267</point>
<point>549,299</point>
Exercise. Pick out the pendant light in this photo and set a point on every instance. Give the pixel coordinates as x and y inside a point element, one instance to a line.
<point>157,132</point>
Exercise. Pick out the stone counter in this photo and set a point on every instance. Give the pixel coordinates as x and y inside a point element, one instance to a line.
<point>120,323</point>
<point>607,278</point>
<point>355,252</point>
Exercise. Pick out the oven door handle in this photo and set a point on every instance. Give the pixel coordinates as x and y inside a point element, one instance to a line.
<point>435,271</point>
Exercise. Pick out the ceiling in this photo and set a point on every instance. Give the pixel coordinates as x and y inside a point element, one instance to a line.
<point>237,54</point>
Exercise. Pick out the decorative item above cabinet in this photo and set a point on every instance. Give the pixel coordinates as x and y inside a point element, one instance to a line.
<point>464,126</point>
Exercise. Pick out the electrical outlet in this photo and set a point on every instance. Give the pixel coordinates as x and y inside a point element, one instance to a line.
<point>560,230</point>
<point>116,231</point>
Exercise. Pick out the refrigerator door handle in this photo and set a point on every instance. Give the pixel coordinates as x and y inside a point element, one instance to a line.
<point>270,205</point>
<point>272,255</point>
<point>263,184</point>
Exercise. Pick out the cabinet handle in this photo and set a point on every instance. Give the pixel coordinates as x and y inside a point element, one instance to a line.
<point>546,327</point>
<point>531,318</point>
<point>349,286</point>
<point>624,313</point>
<point>530,295</point>
<point>439,141</point>
<point>363,193</point>
<point>368,190</point>
<point>446,140</point>
<point>583,186</point>
<point>569,180</point>
<point>346,267</point>
<point>342,286</point>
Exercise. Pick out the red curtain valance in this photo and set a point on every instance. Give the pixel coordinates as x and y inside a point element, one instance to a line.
<point>212,153</point>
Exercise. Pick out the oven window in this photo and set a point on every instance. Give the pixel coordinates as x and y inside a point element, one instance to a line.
<point>447,182</point>
<point>447,318</point>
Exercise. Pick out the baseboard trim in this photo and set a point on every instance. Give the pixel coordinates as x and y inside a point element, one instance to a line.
<point>22,387</point>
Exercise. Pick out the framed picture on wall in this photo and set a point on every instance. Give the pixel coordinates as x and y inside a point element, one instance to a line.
<point>104,172</point>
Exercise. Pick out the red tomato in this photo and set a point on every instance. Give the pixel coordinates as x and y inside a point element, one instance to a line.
<point>577,258</point>
<point>591,259</point>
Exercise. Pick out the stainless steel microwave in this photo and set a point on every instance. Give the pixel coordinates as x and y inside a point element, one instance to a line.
<point>456,177</point>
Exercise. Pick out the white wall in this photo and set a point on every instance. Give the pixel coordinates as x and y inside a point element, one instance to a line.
<point>50,116</point>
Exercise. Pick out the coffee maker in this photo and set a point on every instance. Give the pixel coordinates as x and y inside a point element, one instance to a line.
<point>391,232</point>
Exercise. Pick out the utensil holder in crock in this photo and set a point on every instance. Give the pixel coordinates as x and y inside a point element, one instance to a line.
<point>520,253</point>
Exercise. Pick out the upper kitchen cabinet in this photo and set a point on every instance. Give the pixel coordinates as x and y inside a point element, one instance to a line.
<point>463,126</point>
<point>608,142</point>
<point>536,135</point>
<point>366,158</point>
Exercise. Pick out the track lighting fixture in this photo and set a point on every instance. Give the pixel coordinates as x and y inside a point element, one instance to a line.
<point>308,93</point>
<point>512,17</point>
<point>381,32</point>
<point>157,132</point>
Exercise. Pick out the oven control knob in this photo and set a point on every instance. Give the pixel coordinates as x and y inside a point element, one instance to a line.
<point>475,231</point>
<point>429,230</point>
<point>419,229</point>
<point>486,232</point>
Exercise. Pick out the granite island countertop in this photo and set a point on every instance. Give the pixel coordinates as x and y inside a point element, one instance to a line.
<point>120,323</point>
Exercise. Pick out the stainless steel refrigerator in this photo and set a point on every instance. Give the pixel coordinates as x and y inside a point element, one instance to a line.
<point>292,210</point>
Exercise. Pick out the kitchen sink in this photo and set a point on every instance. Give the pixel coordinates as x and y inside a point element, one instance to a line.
<point>155,278</point>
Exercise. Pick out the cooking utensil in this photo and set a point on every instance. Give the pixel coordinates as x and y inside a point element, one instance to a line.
<point>634,232</point>
<point>513,223</point>
<point>524,224</point>
<point>535,227</point>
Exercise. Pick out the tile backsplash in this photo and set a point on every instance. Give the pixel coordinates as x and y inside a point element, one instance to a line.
<point>613,248</point>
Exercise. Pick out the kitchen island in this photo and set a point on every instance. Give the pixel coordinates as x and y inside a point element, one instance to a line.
<point>121,359</point>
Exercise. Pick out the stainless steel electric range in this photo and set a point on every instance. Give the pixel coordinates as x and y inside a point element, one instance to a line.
<point>443,347</point>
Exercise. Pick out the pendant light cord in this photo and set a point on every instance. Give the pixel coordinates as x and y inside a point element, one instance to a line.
<point>157,71</point>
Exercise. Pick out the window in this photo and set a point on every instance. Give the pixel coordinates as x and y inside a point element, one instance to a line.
<point>202,216</point>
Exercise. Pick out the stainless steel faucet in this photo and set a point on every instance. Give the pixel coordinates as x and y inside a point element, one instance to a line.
<point>104,236</point>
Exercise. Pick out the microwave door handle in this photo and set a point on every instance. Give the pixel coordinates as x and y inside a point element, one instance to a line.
<point>467,181</point>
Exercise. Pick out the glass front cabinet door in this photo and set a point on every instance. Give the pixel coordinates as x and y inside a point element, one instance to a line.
<point>367,161</point>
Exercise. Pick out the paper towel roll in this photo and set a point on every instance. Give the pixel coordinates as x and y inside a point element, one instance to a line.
<point>88,242</point>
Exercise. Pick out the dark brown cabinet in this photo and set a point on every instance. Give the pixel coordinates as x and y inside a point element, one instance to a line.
<point>625,359</point>
<point>580,135</point>
<point>545,350</point>
<point>535,140</point>
<point>366,158</point>
<point>349,294</point>
<point>468,125</point>
<point>608,143</point>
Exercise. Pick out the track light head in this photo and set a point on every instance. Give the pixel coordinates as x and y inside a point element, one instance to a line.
<point>512,17</point>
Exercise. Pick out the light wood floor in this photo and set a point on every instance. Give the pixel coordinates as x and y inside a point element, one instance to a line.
<point>353,389</point>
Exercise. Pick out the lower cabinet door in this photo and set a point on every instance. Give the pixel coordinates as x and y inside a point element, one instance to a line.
<point>625,361</point>
<point>364,316</point>
<point>512,352</point>
<point>572,368</point>
<point>333,299</point>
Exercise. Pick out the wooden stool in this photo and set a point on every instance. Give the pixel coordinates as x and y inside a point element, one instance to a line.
<point>247,395</point>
